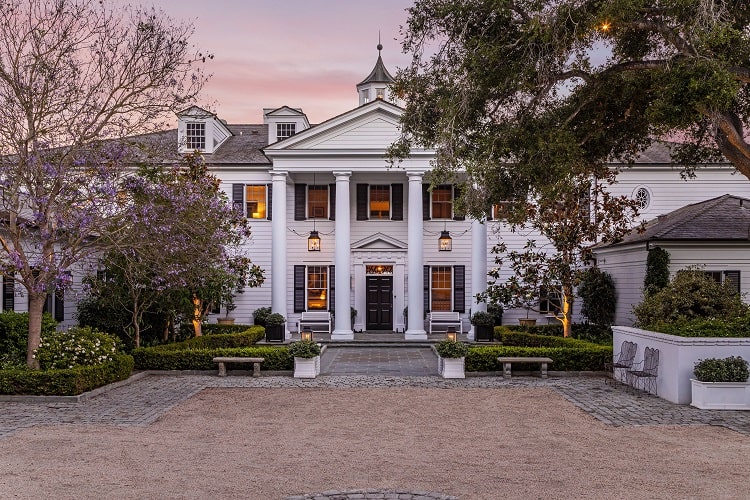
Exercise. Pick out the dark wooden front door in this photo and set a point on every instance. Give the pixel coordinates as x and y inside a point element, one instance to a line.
<point>379,303</point>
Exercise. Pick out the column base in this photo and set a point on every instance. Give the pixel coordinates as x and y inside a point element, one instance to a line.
<point>470,334</point>
<point>415,335</point>
<point>342,335</point>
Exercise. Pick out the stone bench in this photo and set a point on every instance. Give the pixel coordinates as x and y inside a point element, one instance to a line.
<point>507,361</point>
<point>223,364</point>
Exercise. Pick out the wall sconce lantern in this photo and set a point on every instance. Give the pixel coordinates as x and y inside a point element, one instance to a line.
<point>451,333</point>
<point>307,333</point>
<point>313,242</point>
<point>445,242</point>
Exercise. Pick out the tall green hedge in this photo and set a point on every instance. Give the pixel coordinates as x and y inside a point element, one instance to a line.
<point>66,382</point>
<point>14,334</point>
<point>590,358</point>
<point>153,358</point>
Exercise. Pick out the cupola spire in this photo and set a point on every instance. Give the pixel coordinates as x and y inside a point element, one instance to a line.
<point>376,83</point>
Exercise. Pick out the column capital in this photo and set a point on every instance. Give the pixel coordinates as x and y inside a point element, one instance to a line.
<point>279,174</point>
<point>342,174</point>
<point>415,175</point>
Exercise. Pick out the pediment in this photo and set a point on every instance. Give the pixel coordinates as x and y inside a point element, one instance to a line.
<point>372,126</point>
<point>283,111</point>
<point>379,241</point>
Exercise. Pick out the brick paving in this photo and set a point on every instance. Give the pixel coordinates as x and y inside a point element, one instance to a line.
<point>144,400</point>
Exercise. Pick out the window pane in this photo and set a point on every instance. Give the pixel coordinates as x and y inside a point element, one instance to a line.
<point>550,301</point>
<point>380,202</point>
<point>441,288</point>
<point>442,202</point>
<point>317,287</point>
<point>196,136</point>
<point>317,202</point>
<point>284,130</point>
<point>255,200</point>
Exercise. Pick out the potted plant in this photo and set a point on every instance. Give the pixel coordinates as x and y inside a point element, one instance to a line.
<point>275,327</point>
<point>721,384</point>
<point>484,325</point>
<point>260,315</point>
<point>230,306</point>
<point>496,310</point>
<point>451,355</point>
<point>306,355</point>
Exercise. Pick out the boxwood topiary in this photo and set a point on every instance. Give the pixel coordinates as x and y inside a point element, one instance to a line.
<point>731,369</point>
<point>304,349</point>
<point>451,349</point>
<point>591,358</point>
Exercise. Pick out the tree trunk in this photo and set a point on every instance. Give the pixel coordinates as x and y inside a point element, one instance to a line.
<point>36,306</point>
<point>567,310</point>
<point>197,315</point>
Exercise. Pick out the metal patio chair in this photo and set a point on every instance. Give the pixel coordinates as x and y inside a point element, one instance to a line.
<point>622,361</point>
<point>645,373</point>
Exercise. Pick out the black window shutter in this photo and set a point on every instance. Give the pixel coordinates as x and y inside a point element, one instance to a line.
<point>300,201</point>
<point>397,202</point>
<point>734,278</point>
<point>459,289</point>
<point>362,202</point>
<point>332,202</point>
<point>299,288</point>
<point>457,195</point>
<point>9,297</point>
<point>489,212</point>
<point>331,288</point>
<point>59,305</point>
<point>269,203</point>
<point>425,202</point>
<point>238,197</point>
<point>426,284</point>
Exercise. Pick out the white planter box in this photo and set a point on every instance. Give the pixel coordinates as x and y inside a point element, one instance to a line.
<point>451,367</point>
<point>678,355</point>
<point>721,395</point>
<point>306,367</point>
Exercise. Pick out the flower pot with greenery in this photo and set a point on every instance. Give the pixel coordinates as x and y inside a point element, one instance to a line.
<point>306,355</point>
<point>275,327</point>
<point>451,355</point>
<point>484,325</point>
<point>230,306</point>
<point>721,384</point>
<point>260,315</point>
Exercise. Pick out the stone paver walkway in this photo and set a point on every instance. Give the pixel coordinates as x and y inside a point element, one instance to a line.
<point>405,362</point>
<point>143,401</point>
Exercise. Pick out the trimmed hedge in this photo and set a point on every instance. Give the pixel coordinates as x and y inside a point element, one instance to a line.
<point>517,338</point>
<point>703,327</point>
<point>590,358</point>
<point>187,331</point>
<point>65,382</point>
<point>154,358</point>
<point>248,336</point>
<point>582,331</point>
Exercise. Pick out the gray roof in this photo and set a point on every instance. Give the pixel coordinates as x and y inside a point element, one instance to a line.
<point>379,74</point>
<point>726,218</point>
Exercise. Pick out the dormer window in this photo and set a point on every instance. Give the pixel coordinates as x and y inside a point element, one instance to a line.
<point>284,130</point>
<point>195,136</point>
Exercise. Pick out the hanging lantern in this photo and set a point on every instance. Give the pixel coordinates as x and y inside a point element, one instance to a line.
<point>445,242</point>
<point>313,242</point>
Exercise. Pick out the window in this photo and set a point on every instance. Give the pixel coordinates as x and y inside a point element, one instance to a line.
<point>196,136</point>
<point>317,202</point>
<point>284,130</point>
<point>441,289</point>
<point>642,197</point>
<point>380,93</point>
<point>317,287</point>
<point>732,277</point>
<point>550,301</point>
<point>365,96</point>
<point>255,201</point>
<point>442,202</point>
<point>380,202</point>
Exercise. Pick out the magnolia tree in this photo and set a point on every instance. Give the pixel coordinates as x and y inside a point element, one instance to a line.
<point>181,247</point>
<point>74,72</point>
<point>574,214</point>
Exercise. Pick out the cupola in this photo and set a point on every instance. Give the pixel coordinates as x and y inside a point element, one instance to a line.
<point>375,86</point>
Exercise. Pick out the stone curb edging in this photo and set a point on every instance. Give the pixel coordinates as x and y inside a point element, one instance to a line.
<point>80,398</point>
<point>372,493</point>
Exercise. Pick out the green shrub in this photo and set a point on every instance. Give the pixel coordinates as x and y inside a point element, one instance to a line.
<point>598,296</point>
<point>481,318</point>
<point>65,382</point>
<point>657,270</point>
<point>154,358</point>
<point>691,294</point>
<point>14,334</point>
<point>702,327</point>
<point>275,319</point>
<point>249,336</point>
<point>591,358</point>
<point>451,348</point>
<point>731,369</point>
<point>581,331</point>
<point>511,337</point>
<point>77,346</point>
<point>304,349</point>
<point>260,315</point>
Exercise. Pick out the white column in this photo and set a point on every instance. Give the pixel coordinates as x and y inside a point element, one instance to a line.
<point>415,256</point>
<point>478,267</point>
<point>279,295</point>
<point>342,328</point>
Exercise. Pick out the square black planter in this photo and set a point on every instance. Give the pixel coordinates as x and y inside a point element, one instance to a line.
<point>275,333</point>
<point>483,333</point>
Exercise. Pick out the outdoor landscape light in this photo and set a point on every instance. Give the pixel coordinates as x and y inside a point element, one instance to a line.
<point>451,333</point>
<point>307,333</point>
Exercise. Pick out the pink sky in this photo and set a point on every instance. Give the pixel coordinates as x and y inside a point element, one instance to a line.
<point>307,54</point>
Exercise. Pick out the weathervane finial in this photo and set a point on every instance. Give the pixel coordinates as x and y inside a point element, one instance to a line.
<point>380,45</point>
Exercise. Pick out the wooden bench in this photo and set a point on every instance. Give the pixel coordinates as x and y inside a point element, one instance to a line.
<point>446,319</point>
<point>313,318</point>
<point>507,361</point>
<point>223,364</point>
